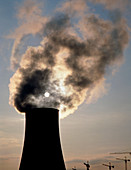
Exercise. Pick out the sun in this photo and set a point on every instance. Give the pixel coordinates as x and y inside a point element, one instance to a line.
<point>47,94</point>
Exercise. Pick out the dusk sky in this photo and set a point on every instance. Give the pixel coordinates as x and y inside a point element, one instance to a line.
<point>93,37</point>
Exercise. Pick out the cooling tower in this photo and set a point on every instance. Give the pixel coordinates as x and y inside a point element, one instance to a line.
<point>42,147</point>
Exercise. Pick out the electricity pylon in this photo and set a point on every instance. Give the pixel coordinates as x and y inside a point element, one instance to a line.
<point>125,160</point>
<point>110,166</point>
<point>87,165</point>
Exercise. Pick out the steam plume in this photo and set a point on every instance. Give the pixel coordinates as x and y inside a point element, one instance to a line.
<point>70,62</point>
<point>28,14</point>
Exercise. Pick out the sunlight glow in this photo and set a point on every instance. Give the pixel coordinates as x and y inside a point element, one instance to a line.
<point>47,94</point>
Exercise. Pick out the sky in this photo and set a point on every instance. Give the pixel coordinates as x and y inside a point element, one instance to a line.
<point>100,117</point>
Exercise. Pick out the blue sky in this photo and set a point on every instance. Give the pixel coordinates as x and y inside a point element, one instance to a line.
<point>94,130</point>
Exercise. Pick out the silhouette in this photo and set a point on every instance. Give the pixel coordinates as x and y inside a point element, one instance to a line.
<point>110,166</point>
<point>87,165</point>
<point>42,146</point>
<point>126,160</point>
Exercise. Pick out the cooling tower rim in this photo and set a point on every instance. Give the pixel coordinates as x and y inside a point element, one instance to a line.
<point>39,108</point>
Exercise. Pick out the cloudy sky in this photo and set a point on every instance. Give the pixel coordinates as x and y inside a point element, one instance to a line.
<point>84,46</point>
